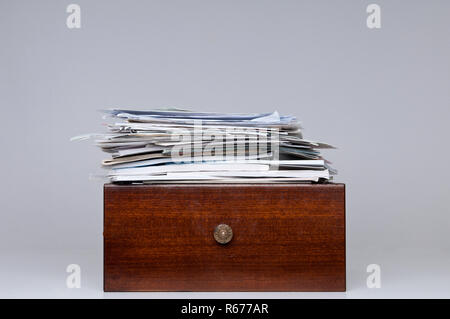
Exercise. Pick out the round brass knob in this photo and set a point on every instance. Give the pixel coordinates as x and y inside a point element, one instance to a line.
<point>223,234</point>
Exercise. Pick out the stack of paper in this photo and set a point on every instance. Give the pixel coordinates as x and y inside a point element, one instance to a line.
<point>173,146</point>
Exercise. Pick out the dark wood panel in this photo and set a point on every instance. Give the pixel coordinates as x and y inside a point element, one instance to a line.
<point>287,237</point>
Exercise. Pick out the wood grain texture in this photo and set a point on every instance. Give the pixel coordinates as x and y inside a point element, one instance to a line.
<point>286,237</point>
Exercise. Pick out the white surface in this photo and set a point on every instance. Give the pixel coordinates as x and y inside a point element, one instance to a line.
<point>404,274</point>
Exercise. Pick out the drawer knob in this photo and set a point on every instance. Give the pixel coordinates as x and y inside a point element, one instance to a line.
<point>223,234</point>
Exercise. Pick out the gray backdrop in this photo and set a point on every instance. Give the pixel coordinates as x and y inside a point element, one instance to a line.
<point>382,96</point>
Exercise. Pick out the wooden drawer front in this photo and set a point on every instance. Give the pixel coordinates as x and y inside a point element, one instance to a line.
<point>285,238</point>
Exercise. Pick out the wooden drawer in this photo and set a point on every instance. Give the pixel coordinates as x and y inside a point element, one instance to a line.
<point>286,237</point>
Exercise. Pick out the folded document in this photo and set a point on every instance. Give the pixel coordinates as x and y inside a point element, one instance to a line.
<point>173,146</point>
